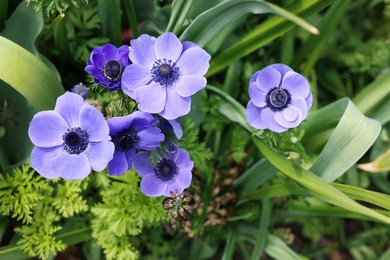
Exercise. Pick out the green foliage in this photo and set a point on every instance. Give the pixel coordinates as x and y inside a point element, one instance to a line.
<point>21,192</point>
<point>68,200</point>
<point>123,213</point>
<point>81,27</point>
<point>53,6</point>
<point>199,153</point>
<point>39,203</point>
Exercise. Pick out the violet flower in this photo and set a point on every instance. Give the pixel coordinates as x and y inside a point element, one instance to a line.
<point>171,172</point>
<point>129,133</point>
<point>164,74</point>
<point>280,98</point>
<point>106,65</point>
<point>71,140</point>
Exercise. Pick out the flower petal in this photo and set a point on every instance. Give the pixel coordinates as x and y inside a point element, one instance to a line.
<point>71,166</point>
<point>130,158</point>
<point>135,76</point>
<point>267,118</point>
<point>150,138</point>
<point>290,117</point>
<point>68,106</point>
<point>301,104</point>
<point>142,165</point>
<point>92,121</point>
<point>253,116</point>
<point>41,160</point>
<point>142,51</point>
<point>188,44</point>
<point>98,60</point>
<point>183,178</point>
<point>117,124</point>
<point>118,165</point>
<point>47,128</point>
<point>183,160</point>
<point>151,98</point>
<point>282,68</point>
<point>267,79</point>
<point>257,96</point>
<point>168,46</point>
<point>152,186</point>
<point>309,101</point>
<point>177,129</point>
<point>99,154</point>
<point>296,84</point>
<point>194,61</point>
<point>109,51</point>
<point>176,105</point>
<point>188,85</point>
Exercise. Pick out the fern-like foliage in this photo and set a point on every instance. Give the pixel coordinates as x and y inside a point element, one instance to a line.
<point>199,153</point>
<point>53,6</point>
<point>68,200</point>
<point>123,213</point>
<point>39,204</point>
<point>21,192</point>
<point>38,238</point>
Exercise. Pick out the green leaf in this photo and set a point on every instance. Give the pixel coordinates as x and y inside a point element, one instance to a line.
<point>32,23</point>
<point>290,188</point>
<point>207,25</point>
<point>277,249</point>
<point>254,177</point>
<point>261,239</point>
<point>28,75</point>
<point>110,15</point>
<point>353,136</point>
<point>263,34</point>
<point>180,10</point>
<point>374,100</point>
<point>230,245</point>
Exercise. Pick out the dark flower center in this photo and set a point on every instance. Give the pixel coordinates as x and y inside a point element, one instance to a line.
<point>165,169</point>
<point>165,72</point>
<point>112,70</point>
<point>76,140</point>
<point>278,99</point>
<point>125,140</point>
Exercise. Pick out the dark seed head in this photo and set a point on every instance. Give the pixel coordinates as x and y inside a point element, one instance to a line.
<point>278,99</point>
<point>112,70</point>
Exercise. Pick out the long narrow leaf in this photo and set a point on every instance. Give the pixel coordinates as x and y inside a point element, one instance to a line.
<point>207,25</point>
<point>353,136</point>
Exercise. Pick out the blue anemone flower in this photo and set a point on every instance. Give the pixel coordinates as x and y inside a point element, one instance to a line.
<point>164,74</point>
<point>70,141</point>
<point>172,172</point>
<point>129,133</point>
<point>280,98</point>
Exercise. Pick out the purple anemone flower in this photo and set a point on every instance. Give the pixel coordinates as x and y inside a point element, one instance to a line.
<point>164,74</point>
<point>170,173</point>
<point>280,98</point>
<point>106,65</point>
<point>129,133</point>
<point>71,140</point>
